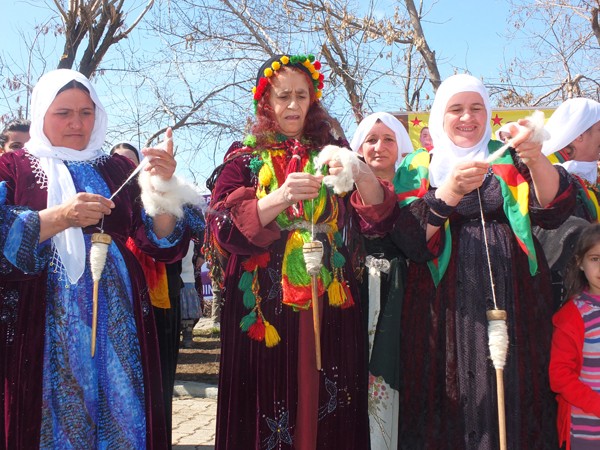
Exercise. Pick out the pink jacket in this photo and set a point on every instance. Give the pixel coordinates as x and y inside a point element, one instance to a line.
<point>566,359</point>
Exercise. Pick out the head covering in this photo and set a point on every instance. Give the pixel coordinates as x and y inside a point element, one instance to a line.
<point>573,117</point>
<point>129,146</point>
<point>306,63</point>
<point>69,244</point>
<point>365,126</point>
<point>445,153</point>
<point>504,129</point>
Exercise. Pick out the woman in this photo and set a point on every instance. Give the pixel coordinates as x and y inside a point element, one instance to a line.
<point>381,139</point>
<point>266,203</point>
<point>448,396</point>
<point>54,194</point>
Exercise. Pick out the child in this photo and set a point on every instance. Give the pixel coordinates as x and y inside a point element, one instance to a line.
<point>575,354</point>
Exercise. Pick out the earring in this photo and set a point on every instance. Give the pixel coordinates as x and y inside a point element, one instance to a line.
<point>580,267</point>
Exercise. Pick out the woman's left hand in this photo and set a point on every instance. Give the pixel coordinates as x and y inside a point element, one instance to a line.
<point>529,151</point>
<point>161,161</point>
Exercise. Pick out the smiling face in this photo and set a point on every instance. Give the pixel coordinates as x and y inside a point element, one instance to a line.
<point>290,100</point>
<point>70,119</point>
<point>380,150</point>
<point>465,119</point>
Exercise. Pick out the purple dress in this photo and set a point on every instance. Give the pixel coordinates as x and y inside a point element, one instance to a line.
<point>273,397</point>
<point>54,394</point>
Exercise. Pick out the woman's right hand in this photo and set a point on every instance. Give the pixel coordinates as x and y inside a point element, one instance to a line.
<point>85,209</point>
<point>300,186</point>
<point>465,177</point>
<point>82,210</point>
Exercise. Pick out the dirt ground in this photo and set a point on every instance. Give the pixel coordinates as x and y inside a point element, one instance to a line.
<point>201,362</point>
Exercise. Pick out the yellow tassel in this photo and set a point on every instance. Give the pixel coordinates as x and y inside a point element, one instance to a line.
<point>265,175</point>
<point>336,293</point>
<point>271,336</point>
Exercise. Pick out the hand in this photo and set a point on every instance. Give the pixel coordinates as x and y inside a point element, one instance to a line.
<point>466,177</point>
<point>85,209</point>
<point>161,161</point>
<point>300,186</point>
<point>529,151</point>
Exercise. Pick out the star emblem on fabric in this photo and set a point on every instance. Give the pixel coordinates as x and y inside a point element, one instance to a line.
<point>497,120</point>
<point>280,431</point>
<point>416,121</point>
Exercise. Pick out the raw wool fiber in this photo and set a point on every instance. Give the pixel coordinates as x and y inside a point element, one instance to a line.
<point>344,181</point>
<point>161,196</point>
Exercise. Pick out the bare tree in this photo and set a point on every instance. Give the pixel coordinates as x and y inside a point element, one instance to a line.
<point>101,22</point>
<point>563,36</point>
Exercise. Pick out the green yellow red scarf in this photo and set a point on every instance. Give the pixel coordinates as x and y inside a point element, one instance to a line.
<point>272,166</point>
<point>412,182</point>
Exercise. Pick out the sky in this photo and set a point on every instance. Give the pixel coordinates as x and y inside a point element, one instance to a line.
<point>466,33</point>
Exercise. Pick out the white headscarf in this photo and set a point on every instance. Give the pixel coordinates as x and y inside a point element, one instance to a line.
<point>364,128</point>
<point>573,117</point>
<point>69,243</point>
<point>445,153</point>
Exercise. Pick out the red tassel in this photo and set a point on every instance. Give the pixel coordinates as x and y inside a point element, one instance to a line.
<point>256,261</point>
<point>257,330</point>
<point>349,300</point>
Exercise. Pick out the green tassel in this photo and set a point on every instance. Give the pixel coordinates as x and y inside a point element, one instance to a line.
<point>338,260</point>
<point>245,282</point>
<point>247,321</point>
<point>249,141</point>
<point>255,164</point>
<point>249,299</point>
<point>337,237</point>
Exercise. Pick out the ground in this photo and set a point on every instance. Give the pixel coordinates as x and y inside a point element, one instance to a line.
<point>201,362</point>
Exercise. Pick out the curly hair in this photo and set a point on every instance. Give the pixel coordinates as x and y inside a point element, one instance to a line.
<point>317,124</point>
<point>575,280</point>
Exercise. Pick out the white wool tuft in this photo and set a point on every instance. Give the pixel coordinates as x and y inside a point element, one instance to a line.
<point>161,196</point>
<point>344,181</point>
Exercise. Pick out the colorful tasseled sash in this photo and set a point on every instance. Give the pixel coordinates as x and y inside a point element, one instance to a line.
<point>588,195</point>
<point>272,167</point>
<point>412,182</point>
<point>155,273</point>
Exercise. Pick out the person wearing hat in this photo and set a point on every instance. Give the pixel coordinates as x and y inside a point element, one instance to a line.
<point>267,202</point>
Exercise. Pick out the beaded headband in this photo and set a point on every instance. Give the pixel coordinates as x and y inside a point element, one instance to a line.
<point>306,63</point>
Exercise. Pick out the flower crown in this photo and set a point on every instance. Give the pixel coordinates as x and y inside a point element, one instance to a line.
<point>306,63</point>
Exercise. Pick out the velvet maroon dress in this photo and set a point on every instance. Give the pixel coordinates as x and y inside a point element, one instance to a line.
<point>273,397</point>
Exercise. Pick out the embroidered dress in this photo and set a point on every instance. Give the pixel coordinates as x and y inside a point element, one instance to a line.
<point>55,395</point>
<point>448,393</point>
<point>270,394</point>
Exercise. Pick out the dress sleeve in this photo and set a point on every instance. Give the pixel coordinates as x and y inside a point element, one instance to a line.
<point>376,220</point>
<point>19,230</point>
<point>565,361</point>
<point>233,217</point>
<point>563,205</point>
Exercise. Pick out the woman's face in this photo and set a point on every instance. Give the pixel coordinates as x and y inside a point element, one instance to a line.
<point>290,100</point>
<point>465,119</point>
<point>425,138</point>
<point>70,119</point>
<point>380,148</point>
<point>587,145</point>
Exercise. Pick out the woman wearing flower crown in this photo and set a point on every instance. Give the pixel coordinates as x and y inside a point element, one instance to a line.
<point>269,201</point>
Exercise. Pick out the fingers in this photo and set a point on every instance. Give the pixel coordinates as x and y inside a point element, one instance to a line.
<point>161,161</point>
<point>468,176</point>
<point>300,186</point>
<point>86,209</point>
